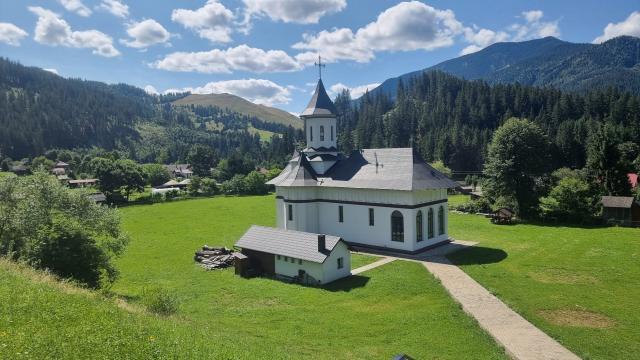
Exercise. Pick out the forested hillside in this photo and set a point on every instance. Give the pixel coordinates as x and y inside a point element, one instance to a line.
<point>41,111</point>
<point>546,62</point>
<point>450,119</point>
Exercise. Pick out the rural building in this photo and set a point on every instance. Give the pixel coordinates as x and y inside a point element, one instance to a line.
<point>83,182</point>
<point>622,209</point>
<point>633,180</point>
<point>377,198</point>
<point>62,164</point>
<point>58,171</point>
<point>97,197</point>
<point>179,170</point>
<point>297,256</point>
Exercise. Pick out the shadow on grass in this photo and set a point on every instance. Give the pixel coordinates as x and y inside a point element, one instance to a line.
<point>347,284</point>
<point>477,255</point>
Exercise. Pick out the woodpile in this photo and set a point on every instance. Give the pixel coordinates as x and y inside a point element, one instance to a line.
<point>212,258</point>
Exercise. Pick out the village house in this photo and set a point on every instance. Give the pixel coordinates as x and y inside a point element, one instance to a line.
<point>179,170</point>
<point>624,210</point>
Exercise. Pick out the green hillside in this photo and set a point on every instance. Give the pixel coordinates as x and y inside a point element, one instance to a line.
<point>242,106</point>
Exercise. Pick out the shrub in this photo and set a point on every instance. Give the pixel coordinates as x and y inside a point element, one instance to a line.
<point>571,199</point>
<point>235,186</point>
<point>160,301</point>
<point>209,187</point>
<point>155,174</point>
<point>480,205</point>
<point>255,184</point>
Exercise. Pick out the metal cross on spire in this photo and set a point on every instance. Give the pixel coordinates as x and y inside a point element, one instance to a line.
<point>320,65</point>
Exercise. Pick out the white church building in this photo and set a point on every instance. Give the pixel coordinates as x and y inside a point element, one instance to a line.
<point>377,198</point>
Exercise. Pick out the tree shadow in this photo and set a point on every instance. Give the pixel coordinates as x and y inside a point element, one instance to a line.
<point>477,255</point>
<point>347,284</point>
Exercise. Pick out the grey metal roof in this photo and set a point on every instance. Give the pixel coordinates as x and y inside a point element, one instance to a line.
<point>617,201</point>
<point>298,172</point>
<point>320,103</point>
<point>295,244</point>
<point>388,169</point>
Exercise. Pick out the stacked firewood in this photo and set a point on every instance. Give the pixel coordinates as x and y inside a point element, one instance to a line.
<point>212,258</point>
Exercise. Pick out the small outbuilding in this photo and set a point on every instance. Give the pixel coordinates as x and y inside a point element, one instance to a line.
<point>296,256</point>
<point>624,210</point>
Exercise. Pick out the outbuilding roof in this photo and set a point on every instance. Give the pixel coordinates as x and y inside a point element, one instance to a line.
<point>320,103</point>
<point>295,244</point>
<point>617,201</point>
<point>386,169</point>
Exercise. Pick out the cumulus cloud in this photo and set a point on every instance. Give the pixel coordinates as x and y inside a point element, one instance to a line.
<point>115,7</point>
<point>242,57</point>
<point>11,34</point>
<point>355,91</point>
<point>532,15</point>
<point>629,26</point>
<point>145,33</point>
<point>259,91</point>
<point>481,38</point>
<point>403,27</point>
<point>213,21</point>
<point>293,11</point>
<point>76,6</point>
<point>52,30</point>
<point>151,90</point>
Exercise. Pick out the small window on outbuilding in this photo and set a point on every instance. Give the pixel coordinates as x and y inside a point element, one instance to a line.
<point>340,214</point>
<point>299,261</point>
<point>340,263</point>
<point>290,212</point>
<point>286,258</point>
<point>293,260</point>
<point>278,257</point>
<point>371,217</point>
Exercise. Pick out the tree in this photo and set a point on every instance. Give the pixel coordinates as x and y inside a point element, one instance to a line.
<point>118,177</point>
<point>49,226</point>
<point>209,187</point>
<point>42,162</point>
<point>255,183</point>
<point>155,174</point>
<point>518,159</point>
<point>439,165</point>
<point>604,161</point>
<point>5,165</point>
<point>234,186</point>
<point>195,185</point>
<point>202,158</point>
<point>571,199</point>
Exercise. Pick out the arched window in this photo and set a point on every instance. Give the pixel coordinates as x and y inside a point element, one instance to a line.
<point>311,133</point>
<point>331,132</point>
<point>397,226</point>
<point>430,223</point>
<point>419,232</point>
<point>441,220</point>
<point>321,133</point>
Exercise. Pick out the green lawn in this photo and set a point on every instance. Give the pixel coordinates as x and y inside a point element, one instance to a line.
<point>455,200</point>
<point>396,308</point>
<point>579,285</point>
<point>358,260</point>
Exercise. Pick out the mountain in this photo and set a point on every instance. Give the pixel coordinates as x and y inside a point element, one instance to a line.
<point>239,105</point>
<point>545,62</point>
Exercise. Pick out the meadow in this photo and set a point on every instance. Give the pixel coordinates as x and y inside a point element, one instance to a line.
<point>581,285</point>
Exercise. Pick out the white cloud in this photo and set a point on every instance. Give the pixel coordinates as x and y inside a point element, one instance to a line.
<point>532,15</point>
<point>52,71</point>
<point>242,58</point>
<point>212,21</point>
<point>115,7</point>
<point>259,91</point>
<point>151,90</point>
<point>76,6</point>
<point>293,11</point>
<point>54,31</point>
<point>481,38</point>
<point>355,91</point>
<point>11,34</point>
<point>145,33</point>
<point>403,27</point>
<point>629,26</point>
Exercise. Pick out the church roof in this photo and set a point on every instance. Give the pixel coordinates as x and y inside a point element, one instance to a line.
<point>320,104</point>
<point>384,169</point>
<point>298,172</point>
<point>296,244</point>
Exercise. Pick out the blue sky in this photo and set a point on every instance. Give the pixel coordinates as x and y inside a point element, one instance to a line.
<point>264,50</point>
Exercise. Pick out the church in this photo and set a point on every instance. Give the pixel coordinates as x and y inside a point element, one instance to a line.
<point>385,199</point>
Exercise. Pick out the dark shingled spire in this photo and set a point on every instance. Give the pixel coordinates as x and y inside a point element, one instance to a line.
<point>320,104</point>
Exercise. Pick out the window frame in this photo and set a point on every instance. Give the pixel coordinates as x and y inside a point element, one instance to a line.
<point>397,226</point>
<point>332,133</point>
<point>430,224</point>
<point>340,263</point>
<point>340,214</point>
<point>310,133</point>
<point>419,228</point>
<point>441,220</point>
<point>372,217</point>
<point>290,212</point>
<point>321,132</point>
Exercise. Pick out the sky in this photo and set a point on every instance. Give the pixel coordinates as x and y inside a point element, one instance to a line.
<point>265,50</point>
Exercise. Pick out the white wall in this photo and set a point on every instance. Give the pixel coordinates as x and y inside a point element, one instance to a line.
<point>325,272</point>
<point>327,122</point>
<point>322,217</point>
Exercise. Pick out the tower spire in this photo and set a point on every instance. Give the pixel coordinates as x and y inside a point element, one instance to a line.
<point>320,65</point>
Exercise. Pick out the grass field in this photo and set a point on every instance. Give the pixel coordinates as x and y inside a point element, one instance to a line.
<point>579,285</point>
<point>391,309</point>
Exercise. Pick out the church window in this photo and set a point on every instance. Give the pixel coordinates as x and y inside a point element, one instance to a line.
<point>441,220</point>
<point>340,214</point>
<point>293,260</point>
<point>299,261</point>
<point>430,223</point>
<point>419,230</point>
<point>311,133</point>
<point>331,132</point>
<point>290,212</point>
<point>371,217</point>
<point>321,133</point>
<point>340,263</point>
<point>397,226</point>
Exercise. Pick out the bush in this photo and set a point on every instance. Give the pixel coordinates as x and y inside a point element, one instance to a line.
<point>160,301</point>
<point>571,199</point>
<point>255,184</point>
<point>480,205</point>
<point>155,174</point>
<point>209,187</point>
<point>235,186</point>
